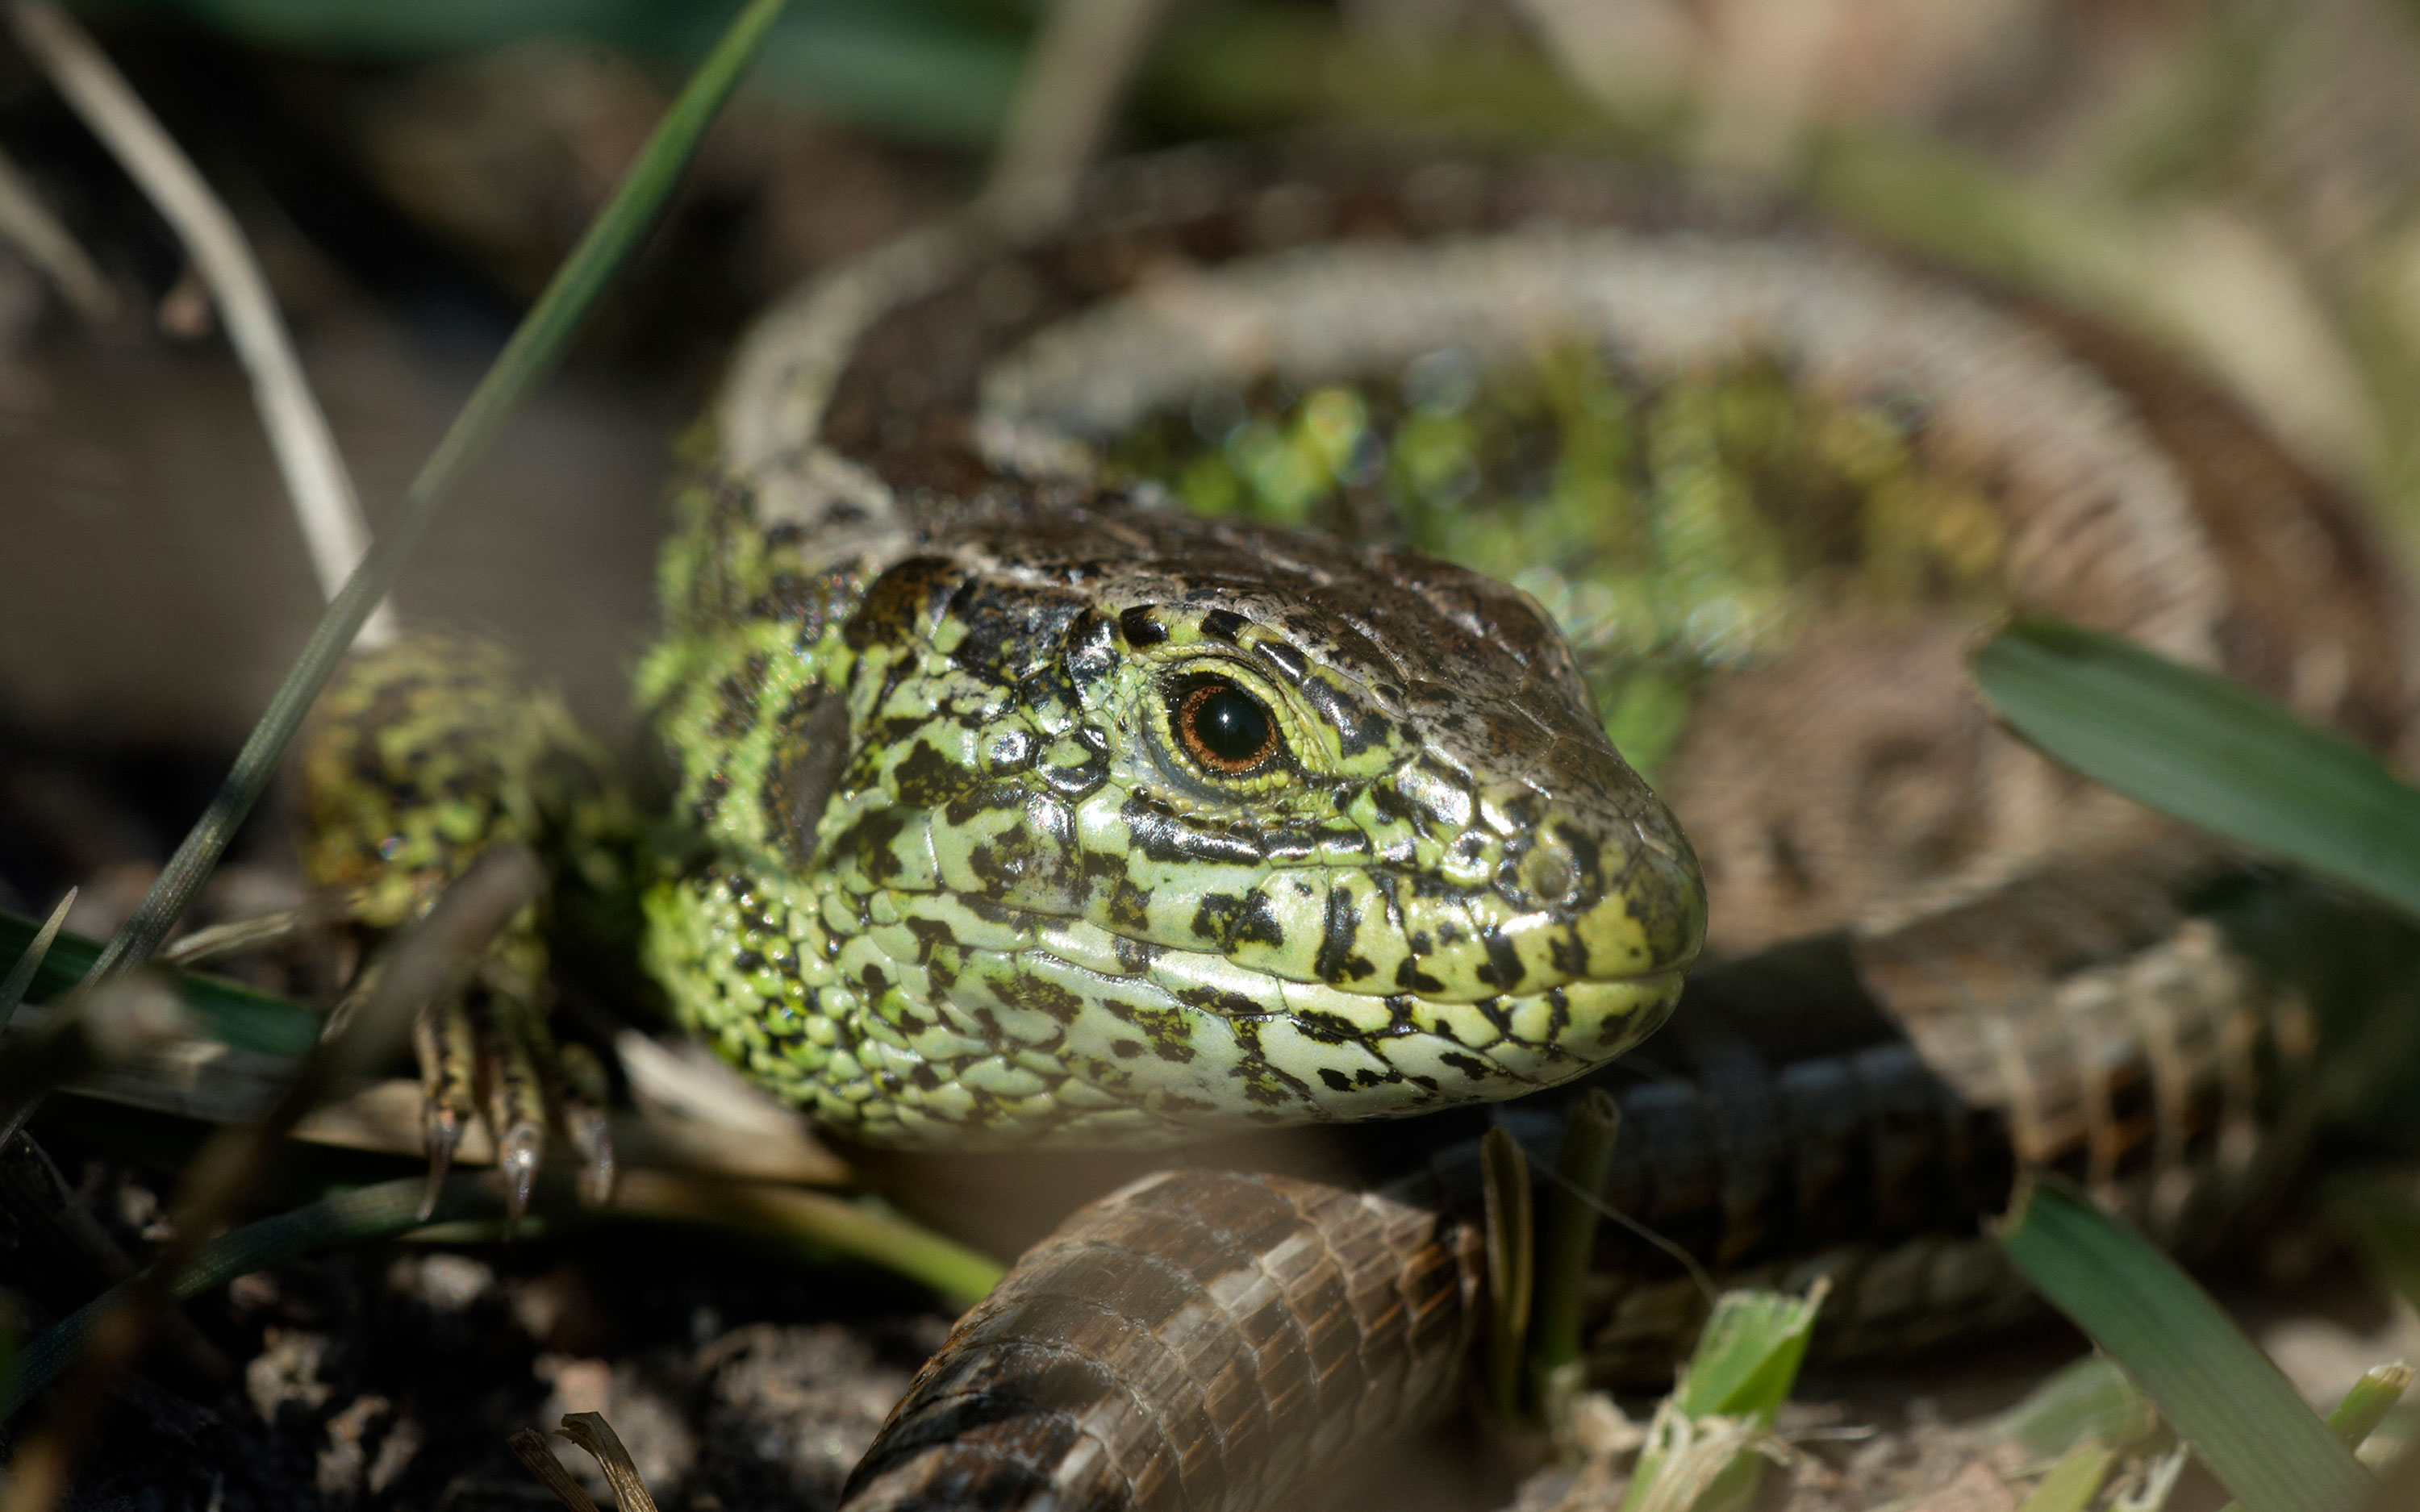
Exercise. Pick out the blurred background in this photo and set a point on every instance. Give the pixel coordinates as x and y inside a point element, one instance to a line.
<point>2237,176</point>
<point>2237,179</point>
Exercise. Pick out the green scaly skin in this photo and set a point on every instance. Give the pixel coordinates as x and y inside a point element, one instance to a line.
<point>1674,531</point>
<point>962,884</point>
<point>422,754</point>
<point>944,874</point>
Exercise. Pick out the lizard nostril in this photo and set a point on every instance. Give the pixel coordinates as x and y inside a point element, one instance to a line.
<point>1547,872</point>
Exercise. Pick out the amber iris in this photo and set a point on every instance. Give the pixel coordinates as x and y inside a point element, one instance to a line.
<point>1224,728</point>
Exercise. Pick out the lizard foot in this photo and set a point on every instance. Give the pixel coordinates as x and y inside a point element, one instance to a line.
<point>487,1056</point>
<point>421,755</point>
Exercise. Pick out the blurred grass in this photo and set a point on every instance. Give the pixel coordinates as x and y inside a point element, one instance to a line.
<point>2217,755</point>
<point>2212,1384</point>
<point>236,1016</point>
<point>1235,68</point>
<point>943,71</point>
<point>529,356</point>
<point>926,70</point>
<point>2208,751</point>
<point>2241,181</point>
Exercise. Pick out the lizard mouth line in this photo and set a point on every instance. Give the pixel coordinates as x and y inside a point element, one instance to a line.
<point>1077,938</point>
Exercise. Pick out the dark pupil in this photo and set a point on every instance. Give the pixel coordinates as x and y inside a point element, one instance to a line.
<point>1229,724</point>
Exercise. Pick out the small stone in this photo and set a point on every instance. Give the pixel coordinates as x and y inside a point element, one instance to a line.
<point>1974,1490</point>
<point>286,1370</point>
<point>441,1282</point>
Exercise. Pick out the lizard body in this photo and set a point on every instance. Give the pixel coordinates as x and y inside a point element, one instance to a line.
<point>955,868</point>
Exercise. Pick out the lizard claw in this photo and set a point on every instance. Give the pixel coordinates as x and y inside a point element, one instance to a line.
<point>441,1135</point>
<point>517,1102</point>
<point>516,1157</point>
<point>493,1044</point>
<point>442,1040</point>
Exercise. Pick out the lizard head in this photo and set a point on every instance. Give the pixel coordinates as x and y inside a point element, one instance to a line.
<point>1148,823</point>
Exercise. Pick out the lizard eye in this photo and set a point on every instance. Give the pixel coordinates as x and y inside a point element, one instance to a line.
<point>1228,731</point>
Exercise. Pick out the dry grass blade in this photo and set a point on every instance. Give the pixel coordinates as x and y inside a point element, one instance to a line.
<point>530,1447</point>
<point>593,1433</point>
<point>2147,1487</point>
<point>429,959</point>
<point>1065,97</point>
<point>1695,1464</point>
<point>317,483</point>
<point>21,976</point>
<point>694,1113</point>
<point>1679,1255</point>
<point>28,224</point>
<point>235,937</point>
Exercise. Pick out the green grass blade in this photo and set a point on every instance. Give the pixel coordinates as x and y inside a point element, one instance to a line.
<point>2073,1481</point>
<point>2208,751</point>
<point>1702,1450</point>
<point>1511,1267</point>
<point>532,353</point>
<point>2091,1399</point>
<point>823,1227</point>
<point>29,957</point>
<point>2217,1390</point>
<point>236,1017</point>
<point>2364,1408</point>
<point>2367,1403</point>
<point>1748,1355</point>
<point>1583,1166</point>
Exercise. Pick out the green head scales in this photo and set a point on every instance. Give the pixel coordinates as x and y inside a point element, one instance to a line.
<point>1058,819</point>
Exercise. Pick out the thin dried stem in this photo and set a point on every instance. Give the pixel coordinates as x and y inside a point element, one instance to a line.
<point>1064,101</point>
<point>317,484</point>
<point>236,936</point>
<point>21,976</point>
<point>593,1433</point>
<point>530,1447</point>
<point>28,224</point>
